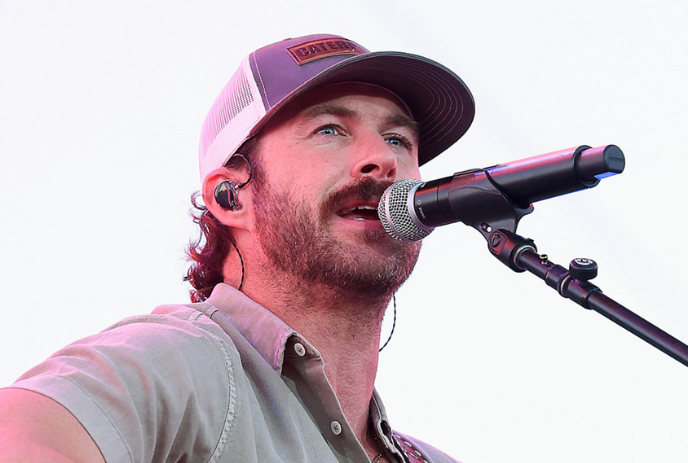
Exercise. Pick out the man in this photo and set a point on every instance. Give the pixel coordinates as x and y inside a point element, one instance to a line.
<point>276,359</point>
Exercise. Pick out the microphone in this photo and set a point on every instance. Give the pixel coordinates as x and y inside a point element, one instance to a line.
<point>493,197</point>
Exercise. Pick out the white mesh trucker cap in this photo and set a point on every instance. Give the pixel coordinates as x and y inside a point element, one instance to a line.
<point>272,76</point>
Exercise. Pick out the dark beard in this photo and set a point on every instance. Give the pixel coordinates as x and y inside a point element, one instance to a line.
<point>300,244</point>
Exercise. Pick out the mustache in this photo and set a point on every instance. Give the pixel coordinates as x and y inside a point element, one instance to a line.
<point>365,189</point>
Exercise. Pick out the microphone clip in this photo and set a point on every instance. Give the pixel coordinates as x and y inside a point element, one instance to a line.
<point>483,206</point>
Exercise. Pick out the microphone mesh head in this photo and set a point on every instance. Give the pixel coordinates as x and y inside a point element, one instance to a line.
<point>396,213</point>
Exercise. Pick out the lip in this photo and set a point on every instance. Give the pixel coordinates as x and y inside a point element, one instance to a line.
<point>354,224</point>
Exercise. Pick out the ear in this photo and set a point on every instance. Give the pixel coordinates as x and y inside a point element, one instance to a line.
<point>233,218</point>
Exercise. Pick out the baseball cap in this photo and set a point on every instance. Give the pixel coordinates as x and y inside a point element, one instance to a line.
<point>272,76</point>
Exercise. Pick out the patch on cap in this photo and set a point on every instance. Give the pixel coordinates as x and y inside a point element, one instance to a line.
<point>322,48</point>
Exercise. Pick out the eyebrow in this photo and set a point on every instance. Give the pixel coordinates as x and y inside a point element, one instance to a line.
<point>395,120</point>
<point>404,121</point>
<point>333,110</point>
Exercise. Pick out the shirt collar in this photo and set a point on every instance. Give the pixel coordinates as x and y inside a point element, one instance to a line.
<point>263,329</point>
<point>378,418</point>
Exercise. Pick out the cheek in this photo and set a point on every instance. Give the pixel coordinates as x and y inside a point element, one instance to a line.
<point>306,186</point>
<point>284,177</point>
<point>322,176</point>
<point>408,169</point>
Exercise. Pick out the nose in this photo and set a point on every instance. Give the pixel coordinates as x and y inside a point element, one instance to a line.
<point>374,158</point>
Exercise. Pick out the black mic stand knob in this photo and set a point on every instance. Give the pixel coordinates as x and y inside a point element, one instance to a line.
<point>583,269</point>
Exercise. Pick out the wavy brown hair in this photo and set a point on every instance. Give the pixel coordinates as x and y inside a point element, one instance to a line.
<point>209,251</point>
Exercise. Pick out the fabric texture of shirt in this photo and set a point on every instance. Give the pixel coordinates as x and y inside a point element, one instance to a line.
<point>219,381</point>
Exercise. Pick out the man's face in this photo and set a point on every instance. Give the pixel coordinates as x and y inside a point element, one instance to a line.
<point>325,161</point>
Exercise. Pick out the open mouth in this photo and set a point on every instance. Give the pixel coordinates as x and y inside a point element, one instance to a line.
<point>361,211</point>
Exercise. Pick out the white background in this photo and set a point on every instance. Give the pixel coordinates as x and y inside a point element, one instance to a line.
<point>100,109</point>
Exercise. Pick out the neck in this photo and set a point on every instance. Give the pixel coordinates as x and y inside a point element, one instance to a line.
<point>345,328</point>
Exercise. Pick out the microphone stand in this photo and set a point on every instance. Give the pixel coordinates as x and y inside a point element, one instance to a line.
<point>520,254</point>
<point>493,200</point>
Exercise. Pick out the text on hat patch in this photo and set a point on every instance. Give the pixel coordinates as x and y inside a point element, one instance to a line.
<point>318,49</point>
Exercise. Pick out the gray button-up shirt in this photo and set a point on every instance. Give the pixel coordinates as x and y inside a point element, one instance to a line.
<point>220,381</point>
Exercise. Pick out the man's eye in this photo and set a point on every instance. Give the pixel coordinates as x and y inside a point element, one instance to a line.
<point>398,140</point>
<point>328,130</point>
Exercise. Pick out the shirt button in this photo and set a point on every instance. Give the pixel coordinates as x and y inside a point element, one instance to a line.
<point>336,428</point>
<point>300,350</point>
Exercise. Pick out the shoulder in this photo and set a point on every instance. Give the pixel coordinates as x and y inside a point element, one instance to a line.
<point>144,348</point>
<point>143,381</point>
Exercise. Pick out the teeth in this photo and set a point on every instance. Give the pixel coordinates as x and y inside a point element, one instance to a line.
<point>353,210</point>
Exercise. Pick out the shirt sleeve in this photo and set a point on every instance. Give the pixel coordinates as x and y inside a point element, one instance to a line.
<point>150,389</point>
